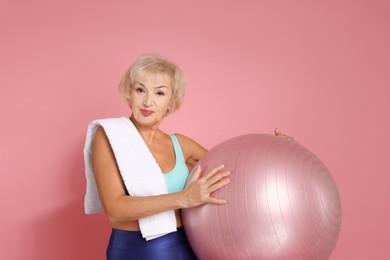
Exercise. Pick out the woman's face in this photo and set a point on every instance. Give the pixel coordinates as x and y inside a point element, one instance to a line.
<point>150,99</point>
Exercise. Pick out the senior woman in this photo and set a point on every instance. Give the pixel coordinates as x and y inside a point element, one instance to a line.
<point>138,174</point>
<point>153,87</point>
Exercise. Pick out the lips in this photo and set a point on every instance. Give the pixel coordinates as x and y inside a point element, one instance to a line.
<point>146,112</point>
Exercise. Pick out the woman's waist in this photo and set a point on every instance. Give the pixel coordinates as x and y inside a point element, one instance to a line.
<point>134,225</point>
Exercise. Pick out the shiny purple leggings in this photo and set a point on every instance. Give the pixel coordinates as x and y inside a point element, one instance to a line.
<point>125,245</point>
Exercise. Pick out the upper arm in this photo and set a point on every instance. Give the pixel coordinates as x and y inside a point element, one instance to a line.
<point>107,176</point>
<point>192,151</point>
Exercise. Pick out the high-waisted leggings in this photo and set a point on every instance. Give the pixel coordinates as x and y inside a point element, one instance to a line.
<point>125,245</point>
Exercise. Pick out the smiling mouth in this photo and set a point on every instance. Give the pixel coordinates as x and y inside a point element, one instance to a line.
<point>146,112</point>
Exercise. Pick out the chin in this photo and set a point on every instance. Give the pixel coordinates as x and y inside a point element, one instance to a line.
<point>147,121</point>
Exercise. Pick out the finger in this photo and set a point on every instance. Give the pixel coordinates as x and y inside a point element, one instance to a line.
<point>214,171</point>
<point>277,132</point>
<point>288,138</point>
<point>219,185</point>
<point>218,177</point>
<point>217,201</point>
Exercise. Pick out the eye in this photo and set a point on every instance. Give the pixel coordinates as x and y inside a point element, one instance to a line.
<point>160,93</point>
<point>139,90</point>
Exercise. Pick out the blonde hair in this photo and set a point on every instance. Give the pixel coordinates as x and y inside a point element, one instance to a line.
<point>154,63</point>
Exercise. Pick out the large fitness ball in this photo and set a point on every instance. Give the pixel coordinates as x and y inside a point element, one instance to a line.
<point>282,203</point>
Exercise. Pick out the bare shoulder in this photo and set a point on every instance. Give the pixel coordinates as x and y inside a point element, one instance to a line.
<point>102,154</point>
<point>189,144</point>
<point>100,134</point>
<point>100,140</point>
<point>192,150</point>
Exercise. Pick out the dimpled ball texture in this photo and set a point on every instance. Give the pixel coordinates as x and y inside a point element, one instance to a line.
<point>282,203</point>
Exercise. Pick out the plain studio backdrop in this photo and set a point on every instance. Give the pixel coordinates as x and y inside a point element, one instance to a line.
<point>319,70</point>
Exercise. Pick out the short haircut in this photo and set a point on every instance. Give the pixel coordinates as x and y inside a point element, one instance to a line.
<point>155,64</point>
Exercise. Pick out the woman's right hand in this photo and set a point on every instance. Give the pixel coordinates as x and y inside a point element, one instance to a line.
<point>198,190</point>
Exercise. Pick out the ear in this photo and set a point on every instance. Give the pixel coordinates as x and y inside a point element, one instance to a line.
<point>167,112</point>
<point>170,109</point>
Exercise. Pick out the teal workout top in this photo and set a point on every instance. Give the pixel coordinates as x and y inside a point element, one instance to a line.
<point>177,178</point>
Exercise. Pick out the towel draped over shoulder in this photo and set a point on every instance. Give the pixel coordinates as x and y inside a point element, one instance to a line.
<point>139,170</point>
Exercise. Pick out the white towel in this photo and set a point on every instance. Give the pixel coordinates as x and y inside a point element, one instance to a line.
<point>140,172</point>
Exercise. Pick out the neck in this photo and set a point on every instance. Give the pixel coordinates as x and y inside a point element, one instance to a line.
<point>148,133</point>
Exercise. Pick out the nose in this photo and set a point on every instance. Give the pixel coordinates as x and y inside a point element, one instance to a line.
<point>148,101</point>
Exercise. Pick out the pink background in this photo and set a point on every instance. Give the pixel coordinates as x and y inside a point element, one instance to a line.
<point>317,69</point>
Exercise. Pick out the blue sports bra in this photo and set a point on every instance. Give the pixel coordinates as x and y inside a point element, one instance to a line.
<point>176,179</point>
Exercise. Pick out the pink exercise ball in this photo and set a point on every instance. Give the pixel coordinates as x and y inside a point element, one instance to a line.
<point>282,203</point>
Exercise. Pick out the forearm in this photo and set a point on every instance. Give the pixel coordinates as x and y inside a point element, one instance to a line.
<point>130,208</point>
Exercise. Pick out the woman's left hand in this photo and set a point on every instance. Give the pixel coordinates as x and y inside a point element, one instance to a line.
<point>278,133</point>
